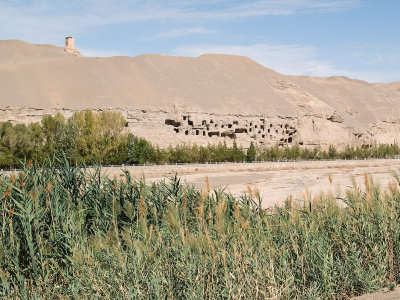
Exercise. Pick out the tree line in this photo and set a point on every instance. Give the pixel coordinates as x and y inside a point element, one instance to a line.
<point>100,138</point>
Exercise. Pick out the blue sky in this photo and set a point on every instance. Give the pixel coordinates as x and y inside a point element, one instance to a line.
<point>355,38</point>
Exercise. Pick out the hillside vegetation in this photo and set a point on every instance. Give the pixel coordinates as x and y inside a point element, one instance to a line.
<point>73,232</point>
<point>100,138</point>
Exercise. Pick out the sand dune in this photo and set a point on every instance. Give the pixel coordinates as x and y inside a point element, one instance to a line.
<point>395,86</point>
<point>44,75</point>
<point>47,77</point>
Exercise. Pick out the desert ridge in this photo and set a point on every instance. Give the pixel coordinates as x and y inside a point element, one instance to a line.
<point>205,99</point>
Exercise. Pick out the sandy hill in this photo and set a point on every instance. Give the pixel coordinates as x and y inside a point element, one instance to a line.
<point>44,76</point>
<point>395,86</point>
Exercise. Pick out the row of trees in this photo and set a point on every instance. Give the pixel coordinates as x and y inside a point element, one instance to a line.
<point>85,137</point>
<point>88,138</point>
<point>222,153</point>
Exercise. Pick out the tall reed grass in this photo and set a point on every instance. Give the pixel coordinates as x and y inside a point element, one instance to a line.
<point>71,232</point>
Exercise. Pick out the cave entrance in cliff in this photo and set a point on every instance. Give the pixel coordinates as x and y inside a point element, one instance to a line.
<point>213,133</point>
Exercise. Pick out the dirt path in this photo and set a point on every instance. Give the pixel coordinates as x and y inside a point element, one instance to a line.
<point>276,181</point>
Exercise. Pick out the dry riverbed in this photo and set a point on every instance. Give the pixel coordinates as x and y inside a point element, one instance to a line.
<point>275,181</point>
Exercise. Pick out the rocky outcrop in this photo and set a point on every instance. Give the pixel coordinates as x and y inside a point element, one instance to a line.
<point>166,128</point>
<point>336,118</point>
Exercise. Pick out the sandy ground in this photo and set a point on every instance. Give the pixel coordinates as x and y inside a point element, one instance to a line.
<point>275,181</point>
<point>384,294</point>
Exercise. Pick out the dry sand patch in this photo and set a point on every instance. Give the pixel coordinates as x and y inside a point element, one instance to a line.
<point>384,294</point>
<point>276,181</point>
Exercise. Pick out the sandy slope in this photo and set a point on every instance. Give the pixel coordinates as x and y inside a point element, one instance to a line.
<point>45,76</point>
<point>392,86</point>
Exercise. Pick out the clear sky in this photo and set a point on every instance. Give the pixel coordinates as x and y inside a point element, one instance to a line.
<point>355,38</point>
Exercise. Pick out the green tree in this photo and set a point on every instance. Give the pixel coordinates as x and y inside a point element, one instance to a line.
<point>251,153</point>
<point>55,133</point>
<point>6,155</point>
<point>142,151</point>
<point>236,153</point>
<point>83,126</point>
<point>205,154</point>
<point>220,152</point>
<point>332,152</point>
<point>111,136</point>
<point>37,141</point>
<point>97,137</point>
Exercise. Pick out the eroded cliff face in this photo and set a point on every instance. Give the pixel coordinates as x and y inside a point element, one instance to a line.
<point>207,99</point>
<point>171,128</point>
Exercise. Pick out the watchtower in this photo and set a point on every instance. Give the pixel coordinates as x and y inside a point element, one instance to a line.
<point>69,43</point>
<point>70,46</point>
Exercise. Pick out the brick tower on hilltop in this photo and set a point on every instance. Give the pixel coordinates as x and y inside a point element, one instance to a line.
<point>70,46</point>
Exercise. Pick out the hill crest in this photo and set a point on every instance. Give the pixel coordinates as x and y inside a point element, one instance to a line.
<point>46,77</point>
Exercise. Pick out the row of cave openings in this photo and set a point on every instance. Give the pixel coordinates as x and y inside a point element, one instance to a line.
<point>256,129</point>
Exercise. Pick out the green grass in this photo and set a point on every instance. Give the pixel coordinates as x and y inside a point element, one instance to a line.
<point>72,233</point>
